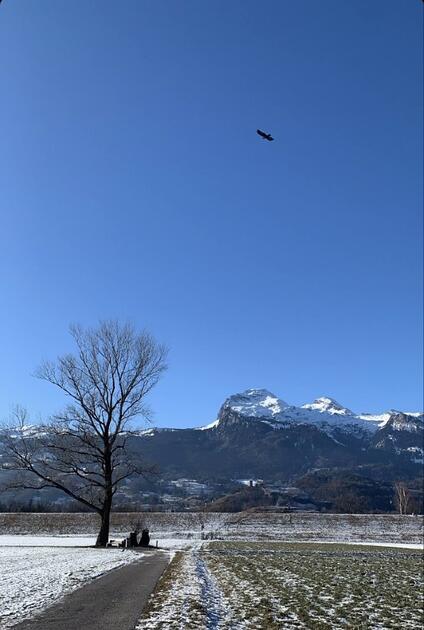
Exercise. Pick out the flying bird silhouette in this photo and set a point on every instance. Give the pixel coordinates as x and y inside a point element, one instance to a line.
<point>265,136</point>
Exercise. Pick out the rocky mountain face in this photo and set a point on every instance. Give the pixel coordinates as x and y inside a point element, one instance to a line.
<point>258,435</point>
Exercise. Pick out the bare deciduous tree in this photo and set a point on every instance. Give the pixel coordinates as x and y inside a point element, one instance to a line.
<point>83,451</point>
<point>402,497</point>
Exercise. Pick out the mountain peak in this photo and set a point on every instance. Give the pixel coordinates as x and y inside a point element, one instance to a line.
<point>257,403</point>
<point>328,405</point>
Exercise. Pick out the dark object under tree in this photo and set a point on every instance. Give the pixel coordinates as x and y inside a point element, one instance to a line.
<point>145,538</point>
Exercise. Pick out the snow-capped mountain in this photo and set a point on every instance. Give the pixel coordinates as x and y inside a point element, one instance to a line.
<point>264,406</point>
<point>328,425</point>
<point>256,434</point>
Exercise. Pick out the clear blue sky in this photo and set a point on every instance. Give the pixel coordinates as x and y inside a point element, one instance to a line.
<point>133,185</point>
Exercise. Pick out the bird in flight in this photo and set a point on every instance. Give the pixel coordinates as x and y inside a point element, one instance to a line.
<point>265,136</point>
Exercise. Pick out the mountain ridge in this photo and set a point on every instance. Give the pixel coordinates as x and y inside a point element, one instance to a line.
<point>261,404</point>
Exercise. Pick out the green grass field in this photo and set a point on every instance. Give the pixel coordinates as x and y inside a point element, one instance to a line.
<point>238,585</point>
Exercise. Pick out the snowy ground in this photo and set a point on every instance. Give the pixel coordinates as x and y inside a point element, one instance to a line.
<point>9,540</point>
<point>171,544</point>
<point>384,528</point>
<point>32,578</point>
<point>269,586</point>
<point>229,571</point>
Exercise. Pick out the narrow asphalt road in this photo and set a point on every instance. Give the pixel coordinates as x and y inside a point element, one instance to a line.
<point>112,602</point>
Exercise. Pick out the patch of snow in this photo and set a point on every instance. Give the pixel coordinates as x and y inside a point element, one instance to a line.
<point>365,543</point>
<point>212,425</point>
<point>23,540</point>
<point>328,420</point>
<point>210,594</point>
<point>27,431</point>
<point>146,432</point>
<point>328,405</point>
<point>151,431</point>
<point>256,403</point>
<point>417,453</point>
<point>178,604</point>
<point>401,425</point>
<point>33,578</point>
<point>379,419</point>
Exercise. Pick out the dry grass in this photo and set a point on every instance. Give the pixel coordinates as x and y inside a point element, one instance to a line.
<point>274,585</point>
<point>269,586</point>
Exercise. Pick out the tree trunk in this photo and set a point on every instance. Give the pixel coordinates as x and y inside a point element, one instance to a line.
<point>103,535</point>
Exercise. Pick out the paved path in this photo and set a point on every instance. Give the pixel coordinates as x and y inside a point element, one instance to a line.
<point>112,602</point>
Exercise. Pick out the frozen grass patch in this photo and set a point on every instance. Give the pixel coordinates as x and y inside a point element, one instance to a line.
<point>269,586</point>
<point>177,600</point>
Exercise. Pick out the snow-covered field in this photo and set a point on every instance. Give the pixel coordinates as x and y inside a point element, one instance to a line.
<point>384,528</point>
<point>269,586</point>
<point>32,578</point>
<point>229,571</point>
